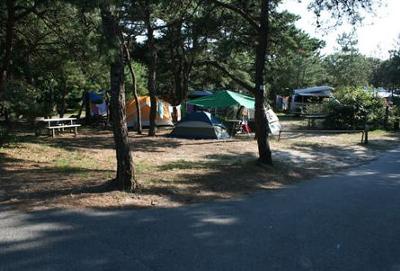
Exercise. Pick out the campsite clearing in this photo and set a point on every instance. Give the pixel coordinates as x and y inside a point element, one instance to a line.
<point>68,171</point>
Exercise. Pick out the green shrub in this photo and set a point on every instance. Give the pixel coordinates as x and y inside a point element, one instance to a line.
<point>6,137</point>
<point>394,115</point>
<point>353,109</point>
<point>3,135</point>
<point>316,108</point>
<point>22,99</point>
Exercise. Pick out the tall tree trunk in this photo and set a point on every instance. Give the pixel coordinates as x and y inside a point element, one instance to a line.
<point>63,103</point>
<point>88,115</point>
<point>82,105</point>
<point>62,107</point>
<point>125,169</point>
<point>386,118</point>
<point>50,105</point>
<point>180,66</point>
<point>7,118</point>
<point>151,83</point>
<point>125,179</point>
<point>10,25</point>
<point>262,28</point>
<point>177,64</point>
<point>264,150</point>
<point>135,94</point>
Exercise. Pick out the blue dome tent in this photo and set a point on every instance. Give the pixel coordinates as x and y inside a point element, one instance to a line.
<point>200,125</point>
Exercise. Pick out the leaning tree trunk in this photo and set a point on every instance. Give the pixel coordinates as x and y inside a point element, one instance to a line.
<point>264,150</point>
<point>125,179</point>
<point>125,170</point>
<point>135,94</point>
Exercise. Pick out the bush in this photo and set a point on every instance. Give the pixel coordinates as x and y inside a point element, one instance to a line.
<point>316,108</point>
<point>354,108</point>
<point>394,116</point>
<point>21,99</point>
<point>5,136</point>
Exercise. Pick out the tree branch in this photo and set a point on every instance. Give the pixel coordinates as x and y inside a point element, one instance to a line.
<point>25,11</point>
<point>180,20</point>
<point>240,82</point>
<point>239,11</point>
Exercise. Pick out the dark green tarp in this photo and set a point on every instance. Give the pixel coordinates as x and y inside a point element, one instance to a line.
<point>222,99</point>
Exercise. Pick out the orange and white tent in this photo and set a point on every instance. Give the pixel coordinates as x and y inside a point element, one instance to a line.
<point>163,115</point>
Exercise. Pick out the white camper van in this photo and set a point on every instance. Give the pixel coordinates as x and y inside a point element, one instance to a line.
<point>305,96</point>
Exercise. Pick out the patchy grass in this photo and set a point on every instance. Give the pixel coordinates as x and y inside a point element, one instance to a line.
<point>68,171</point>
<point>183,164</point>
<point>142,167</point>
<point>210,162</point>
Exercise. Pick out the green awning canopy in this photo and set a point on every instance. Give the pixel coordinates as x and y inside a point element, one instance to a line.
<point>222,99</point>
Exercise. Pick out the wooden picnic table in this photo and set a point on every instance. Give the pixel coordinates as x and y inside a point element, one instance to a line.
<point>60,124</point>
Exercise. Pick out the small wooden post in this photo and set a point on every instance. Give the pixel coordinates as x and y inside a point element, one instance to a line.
<point>366,128</point>
<point>366,134</point>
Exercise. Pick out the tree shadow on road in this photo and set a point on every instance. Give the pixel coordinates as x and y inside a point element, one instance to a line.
<point>327,225</point>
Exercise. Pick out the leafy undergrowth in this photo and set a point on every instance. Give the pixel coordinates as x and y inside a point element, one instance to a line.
<point>73,172</point>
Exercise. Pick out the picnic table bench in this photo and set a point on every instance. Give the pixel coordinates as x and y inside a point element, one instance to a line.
<point>59,124</point>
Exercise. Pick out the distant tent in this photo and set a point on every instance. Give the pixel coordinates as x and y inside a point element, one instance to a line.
<point>188,108</point>
<point>95,97</point>
<point>320,91</point>
<point>312,95</point>
<point>97,103</point>
<point>200,125</point>
<point>223,99</point>
<point>384,93</point>
<point>163,116</point>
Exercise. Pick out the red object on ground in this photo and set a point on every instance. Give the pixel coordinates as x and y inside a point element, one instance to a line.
<point>246,128</point>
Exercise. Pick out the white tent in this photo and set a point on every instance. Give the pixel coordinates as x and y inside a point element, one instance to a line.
<point>320,91</point>
<point>384,93</point>
<point>304,96</point>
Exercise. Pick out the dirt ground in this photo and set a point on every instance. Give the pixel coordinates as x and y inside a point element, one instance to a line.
<point>73,172</point>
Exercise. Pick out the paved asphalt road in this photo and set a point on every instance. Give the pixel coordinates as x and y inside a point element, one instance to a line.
<point>350,221</point>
